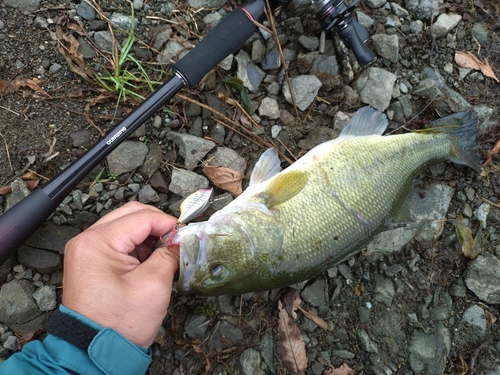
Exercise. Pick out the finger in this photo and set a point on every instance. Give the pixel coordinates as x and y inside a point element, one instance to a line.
<point>126,209</point>
<point>125,233</point>
<point>163,264</point>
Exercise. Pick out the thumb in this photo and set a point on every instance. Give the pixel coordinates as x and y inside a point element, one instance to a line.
<point>163,263</point>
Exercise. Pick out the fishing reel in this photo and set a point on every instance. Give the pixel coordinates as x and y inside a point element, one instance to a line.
<point>337,16</point>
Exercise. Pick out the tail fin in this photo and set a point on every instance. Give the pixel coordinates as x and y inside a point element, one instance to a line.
<point>462,127</point>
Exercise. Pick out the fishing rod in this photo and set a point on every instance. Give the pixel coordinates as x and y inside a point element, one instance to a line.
<point>23,219</point>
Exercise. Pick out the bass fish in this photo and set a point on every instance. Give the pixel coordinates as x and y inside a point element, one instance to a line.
<point>291,225</point>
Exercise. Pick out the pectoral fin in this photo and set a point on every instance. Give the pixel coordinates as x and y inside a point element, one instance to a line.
<point>366,121</point>
<point>284,187</point>
<point>266,167</point>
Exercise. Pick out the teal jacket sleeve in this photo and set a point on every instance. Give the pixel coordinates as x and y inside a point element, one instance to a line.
<point>108,352</point>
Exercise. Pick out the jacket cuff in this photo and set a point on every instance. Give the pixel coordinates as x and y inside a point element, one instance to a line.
<point>108,349</point>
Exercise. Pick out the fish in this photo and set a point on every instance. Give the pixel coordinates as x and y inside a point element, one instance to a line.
<point>291,225</point>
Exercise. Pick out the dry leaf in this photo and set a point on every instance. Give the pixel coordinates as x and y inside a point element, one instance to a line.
<point>23,340</point>
<point>32,184</point>
<point>224,178</point>
<point>342,370</point>
<point>290,347</point>
<point>197,349</point>
<point>471,246</point>
<point>4,190</point>
<point>291,299</point>
<point>470,61</point>
<point>316,319</point>
<point>6,87</point>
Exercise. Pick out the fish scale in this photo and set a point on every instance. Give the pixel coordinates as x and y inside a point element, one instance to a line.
<point>289,226</point>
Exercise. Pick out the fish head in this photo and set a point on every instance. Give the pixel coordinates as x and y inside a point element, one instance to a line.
<point>224,255</point>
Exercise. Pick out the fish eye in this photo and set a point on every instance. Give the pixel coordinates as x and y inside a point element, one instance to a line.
<point>218,272</point>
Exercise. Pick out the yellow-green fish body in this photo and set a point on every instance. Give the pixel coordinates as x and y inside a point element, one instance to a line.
<point>291,225</point>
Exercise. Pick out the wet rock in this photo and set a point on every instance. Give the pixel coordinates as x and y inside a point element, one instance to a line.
<point>441,306</point>
<point>228,158</point>
<point>104,40</point>
<point>45,298</point>
<point>250,361</point>
<point>42,261</point>
<point>428,352</point>
<point>248,72</point>
<point>310,43</point>
<point>375,87</point>
<point>226,336</point>
<point>326,68</point>
<point>445,23</point>
<point>19,191</point>
<point>86,11</point>
<point>304,88</point>
<point>422,9</point>
<point>126,157</point>
<point>272,60</point>
<point>185,182</point>
<point>23,5</point>
<point>314,295</point>
<point>483,278</point>
<point>258,51</point>
<point>17,305</point>
<point>192,149</point>
<point>148,195</point>
<point>269,108</point>
<point>267,351</point>
<point>123,21</point>
<point>386,46</point>
<point>158,183</point>
<point>152,161</point>
<point>473,323</point>
<point>196,326</point>
<point>52,237</point>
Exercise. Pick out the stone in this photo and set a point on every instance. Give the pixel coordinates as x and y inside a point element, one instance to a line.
<point>317,135</point>
<point>104,40</point>
<point>314,295</point>
<point>226,336</point>
<point>304,88</point>
<point>207,3</point>
<point>123,21</point>
<point>326,68</point>
<point>272,60</point>
<point>428,352</point>
<point>475,319</point>
<point>19,191</point>
<point>248,72</point>
<point>148,195</point>
<point>52,237</point>
<point>196,326</point>
<point>128,156</point>
<point>185,182</point>
<point>422,9</point>
<point>384,290</point>
<point>250,361</point>
<point>23,5</point>
<point>43,261</point>
<point>483,278</point>
<point>11,343</point>
<point>374,87</point>
<point>228,158</point>
<point>310,43</point>
<point>86,11</point>
<point>387,46</point>
<point>17,305</point>
<point>365,342</point>
<point>45,298</point>
<point>191,148</point>
<point>159,183</point>
<point>269,107</point>
<point>444,23</point>
<point>152,161</point>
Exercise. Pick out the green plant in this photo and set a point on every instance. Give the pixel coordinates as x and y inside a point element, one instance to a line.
<point>122,79</point>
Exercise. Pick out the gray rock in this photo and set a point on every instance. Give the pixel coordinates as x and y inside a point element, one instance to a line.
<point>375,3</point>
<point>364,20</point>
<point>123,21</point>
<point>375,87</point>
<point>446,101</point>
<point>161,38</point>
<point>152,162</point>
<point>11,343</point>
<point>250,361</point>
<point>314,295</point>
<point>192,149</point>
<point>185,182</point>
<point>258,51</point>
<point>386,46</point>
<point>42,261</point>
<point>326,68</point>
<point>428,352</point>
<point>45,298</point>
<point>475,319</point>
<point>365,342</point>
<point>212,19</point>
<point>148,195</point>
<point>226,336</point>
<point>86,11</point>
<point>138,4</point>
<point>304,88</point>
<point>126,157</point>
<point>23,5</point>
<point>17,305</point>
<point>250,75</point>
<point>422,9</point>
<point>398,10</point>
<point>32,325</point>
<point>481,213</point>
<point>267,351</point>
<point>104,40</point>
<point>441,307</point>
<point>19,191</point>
<point>196,326</point>
<point>171,51</point>
<point>269,107</point>
<point>207,3</point>
<point>310,43</point>
<point>483,278</point>
<point>227,63</point>
<point>445,23</point>
<point>228,158</point>
<point>384,290</point>
<point>316,136</point>
<point>158,183</point>
<point>52,237</point>
<point>480,31</point>
<point>272,60</point>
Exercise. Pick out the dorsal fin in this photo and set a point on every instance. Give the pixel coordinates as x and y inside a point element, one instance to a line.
<point>366,121</point>
<point>267,166</point>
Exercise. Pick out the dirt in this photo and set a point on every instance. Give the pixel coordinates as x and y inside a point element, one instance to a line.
<point>35,123</point>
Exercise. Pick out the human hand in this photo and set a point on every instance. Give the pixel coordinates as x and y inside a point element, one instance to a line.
<point>104,281</point>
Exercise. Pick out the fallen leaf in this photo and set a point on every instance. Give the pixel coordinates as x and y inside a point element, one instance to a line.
<point>290,347</point>
<point>471,246</point>
<point>4,190</point>
<point>342,370</point>
<point>7,87</point>
<point>315,318</point>
<point>291,299</point>
<point>32,184</point>
<point>23,340</point>
<point>470,61</point>
<point>224,178</point>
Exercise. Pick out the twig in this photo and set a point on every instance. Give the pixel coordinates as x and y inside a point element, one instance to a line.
<point>7,151</point>
<point>475,354</point>
<point>10,110</point>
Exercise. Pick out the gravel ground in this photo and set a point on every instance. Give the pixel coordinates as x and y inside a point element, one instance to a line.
<point>409,303</point>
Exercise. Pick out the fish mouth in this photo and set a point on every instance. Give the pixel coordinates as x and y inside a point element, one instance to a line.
<point>190,252</point>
